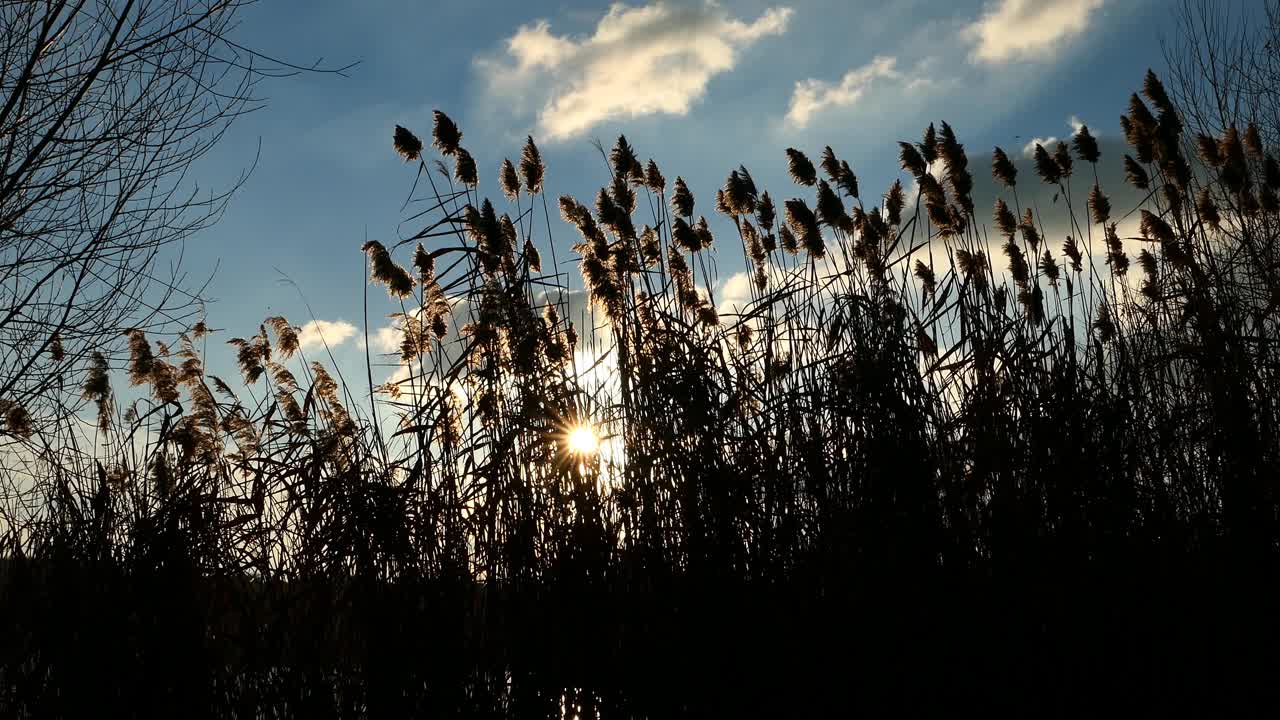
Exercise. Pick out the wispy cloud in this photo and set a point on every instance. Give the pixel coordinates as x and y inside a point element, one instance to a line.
<point>813,96</point>
<point>1028,29</point>
<point>652,59</point>
<point>318,333</point>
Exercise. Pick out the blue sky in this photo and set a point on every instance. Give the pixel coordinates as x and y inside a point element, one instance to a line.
<point>699,86</point>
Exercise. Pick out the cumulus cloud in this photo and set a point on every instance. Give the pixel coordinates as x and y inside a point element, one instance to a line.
<point>318,333</point>
<point>1029,150</point>
<point>651,59</point>
<point>813,96</point>
<point>1028,29</point>
<point>1049,143</point>
<point>387,338</point>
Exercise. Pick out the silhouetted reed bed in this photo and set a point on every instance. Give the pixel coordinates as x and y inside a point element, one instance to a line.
<point>939,459</point>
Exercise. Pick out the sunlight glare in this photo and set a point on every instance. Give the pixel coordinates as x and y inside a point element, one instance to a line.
<point>583,440</point>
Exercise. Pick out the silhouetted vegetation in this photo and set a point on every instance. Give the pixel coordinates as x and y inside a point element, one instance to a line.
<point>938,459</point>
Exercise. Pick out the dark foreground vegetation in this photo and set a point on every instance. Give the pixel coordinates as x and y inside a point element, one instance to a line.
<point>939,461</point>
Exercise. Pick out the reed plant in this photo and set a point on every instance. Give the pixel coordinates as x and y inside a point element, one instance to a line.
<point>937,459</point>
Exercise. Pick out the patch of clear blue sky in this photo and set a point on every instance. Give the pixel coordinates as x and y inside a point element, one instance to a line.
<point>327,174</point>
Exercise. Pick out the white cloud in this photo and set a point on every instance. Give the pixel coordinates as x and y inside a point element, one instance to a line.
<point>1029,150</point>
<point>812,96</point>
<point>1028,29</point>
<point>652,59</point>
<point>1051,142</point>
<point>318,333</point>
<point>735,293</point>
<point>387,338</point>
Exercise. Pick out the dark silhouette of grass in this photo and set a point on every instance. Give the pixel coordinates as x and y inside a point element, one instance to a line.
<point>928,466</point>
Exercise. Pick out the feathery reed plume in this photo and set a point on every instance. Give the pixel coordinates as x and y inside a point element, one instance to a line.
<point>384,270</point>
<point>464,168</point>
<point>612,216</point>
<point>1046,168</point>
<point>1154,227</point>
<point>650,248</point>
<point>1086,146</point>
<point>739,194</point>
<point>830,164</point>
<point>424,264</point>
<point>1062,157</point>
<point>1207,209</point>
<point>1155,92</point>
<point>682,199</point>
<point>248,358</point>
<point>532,259</point>
<point>953,157</point>
<point>406,144</point>
<point>1208,150</point>
<point>1071,249</point>
<point>445,136</point>
<point>493,241</point>
<point>1018,267</point>
<point>1116,256</point>
<point>508,179</point>
<point>722,204</point>
<point>1099,205</point>
<point>973,265</point>
<point>97,388</point>
<point>164,382</point>
<point>1029,231</point>
<point>1140,129</point>
<point>765,212</point>
<point>1049,267</point>
<point>910,159</point>
<point>286,336</point>
<point>830,210</point>
<point>684,236</point>
<point>682,278</point>
<point>847,180</point>
<point>928,282</point>
<point>653,178</point>
<point>1150,285</point>
<point>703,231</point>
<point>1234,171</point>
<point>531,167</point>
<point>17,421</point>
<point>805,226</point>
<point>1104,325</point>
<point>56,352</point>
<point>1003,169</point>
<point>1253,140</point>
<point>1173,197</point>
<point>509,239</point>
<point>1004,219</point>
<point>141,359</point>
<point>800,169</point>
<point>751,238</point>
<point>788,240</point>
<point>928,146</point>
<point>577,214</point>
<point>638,177</point>
<point>707,315</point>
<point>1134,174</point>
<point>623,157</point>
<point>894,201</point>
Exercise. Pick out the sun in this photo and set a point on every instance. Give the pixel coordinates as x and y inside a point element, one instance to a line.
<point>583,440</point>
